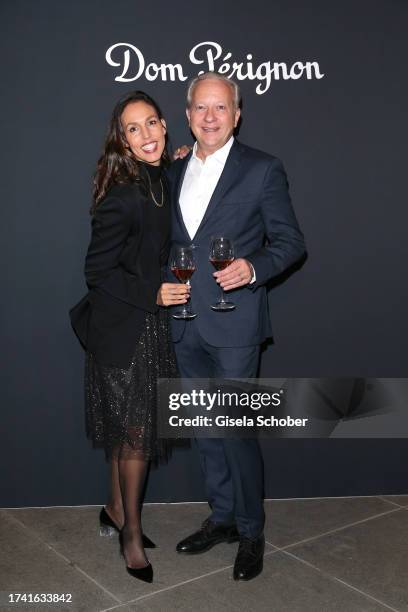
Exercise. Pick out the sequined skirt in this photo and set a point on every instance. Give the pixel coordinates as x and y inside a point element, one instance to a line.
<point>121,404</point>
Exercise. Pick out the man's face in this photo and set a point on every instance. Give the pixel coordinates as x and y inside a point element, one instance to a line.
<point>212,116</point>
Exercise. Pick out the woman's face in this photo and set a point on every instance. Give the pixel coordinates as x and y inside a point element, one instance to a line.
<point>144,132</point>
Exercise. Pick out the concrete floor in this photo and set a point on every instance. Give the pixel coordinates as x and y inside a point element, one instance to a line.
<point>337,554</point>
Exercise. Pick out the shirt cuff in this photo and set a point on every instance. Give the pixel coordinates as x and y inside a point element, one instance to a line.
<point>253,278</point>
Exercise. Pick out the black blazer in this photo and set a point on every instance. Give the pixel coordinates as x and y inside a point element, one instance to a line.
<point>129,246</point>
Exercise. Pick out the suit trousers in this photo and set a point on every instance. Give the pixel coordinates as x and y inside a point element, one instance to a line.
<point>233,467</point>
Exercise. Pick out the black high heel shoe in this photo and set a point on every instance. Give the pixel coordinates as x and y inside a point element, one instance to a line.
<point>108,528</point>
<point>142,573</point>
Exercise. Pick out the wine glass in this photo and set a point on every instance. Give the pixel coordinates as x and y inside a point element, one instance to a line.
<point>221,255</point>
<point>183,266</point>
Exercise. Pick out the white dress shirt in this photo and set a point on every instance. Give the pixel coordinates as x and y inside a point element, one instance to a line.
<point>200,180</point>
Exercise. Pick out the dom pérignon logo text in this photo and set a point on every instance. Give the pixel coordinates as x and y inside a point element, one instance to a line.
<point>208,55</point>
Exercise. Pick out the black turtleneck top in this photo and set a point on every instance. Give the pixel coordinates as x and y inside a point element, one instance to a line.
<point>157,217</point>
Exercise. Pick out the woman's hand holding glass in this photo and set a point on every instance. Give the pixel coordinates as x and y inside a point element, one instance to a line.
<point>183,267</point>
<point>171,294</point>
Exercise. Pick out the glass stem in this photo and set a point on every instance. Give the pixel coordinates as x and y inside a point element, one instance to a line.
<point>222,300</point>
<point>187,305</point>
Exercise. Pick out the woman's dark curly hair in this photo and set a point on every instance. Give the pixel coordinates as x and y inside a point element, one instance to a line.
<point>117,164</point>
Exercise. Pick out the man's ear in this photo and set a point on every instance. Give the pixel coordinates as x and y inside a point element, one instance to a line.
<point>188,115</point>
<point>237,116</point>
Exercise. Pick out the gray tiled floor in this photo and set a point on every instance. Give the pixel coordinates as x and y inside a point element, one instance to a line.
<point>340,555</point>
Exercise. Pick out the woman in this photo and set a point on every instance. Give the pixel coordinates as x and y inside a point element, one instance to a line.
<point>120,321</point>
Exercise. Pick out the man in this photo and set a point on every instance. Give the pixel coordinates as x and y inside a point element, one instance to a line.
<point>224,188</point>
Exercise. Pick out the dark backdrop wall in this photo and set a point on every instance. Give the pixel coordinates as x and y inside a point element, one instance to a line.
<point>343,141</point>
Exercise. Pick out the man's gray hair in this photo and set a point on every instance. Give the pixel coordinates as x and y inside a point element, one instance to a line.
<point>236,94</point>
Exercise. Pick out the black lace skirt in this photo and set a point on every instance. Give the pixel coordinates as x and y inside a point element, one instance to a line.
<point>121,405</point>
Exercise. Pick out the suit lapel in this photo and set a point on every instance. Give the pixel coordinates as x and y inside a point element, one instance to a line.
<point>227,178</point>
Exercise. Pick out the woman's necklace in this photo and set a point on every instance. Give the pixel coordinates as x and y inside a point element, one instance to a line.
<point>152,194</point>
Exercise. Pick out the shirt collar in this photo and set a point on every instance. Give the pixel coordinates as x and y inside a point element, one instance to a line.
<point>220,155</point>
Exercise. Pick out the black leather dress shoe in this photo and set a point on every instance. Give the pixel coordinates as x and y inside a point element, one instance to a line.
<point>207,536</point>
<point>249,561</point>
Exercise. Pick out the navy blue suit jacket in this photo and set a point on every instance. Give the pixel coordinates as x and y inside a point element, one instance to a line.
<point>251,205</point>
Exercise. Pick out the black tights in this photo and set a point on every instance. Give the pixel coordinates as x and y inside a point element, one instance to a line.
<point>132,474</point>
<point>128,480</point>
